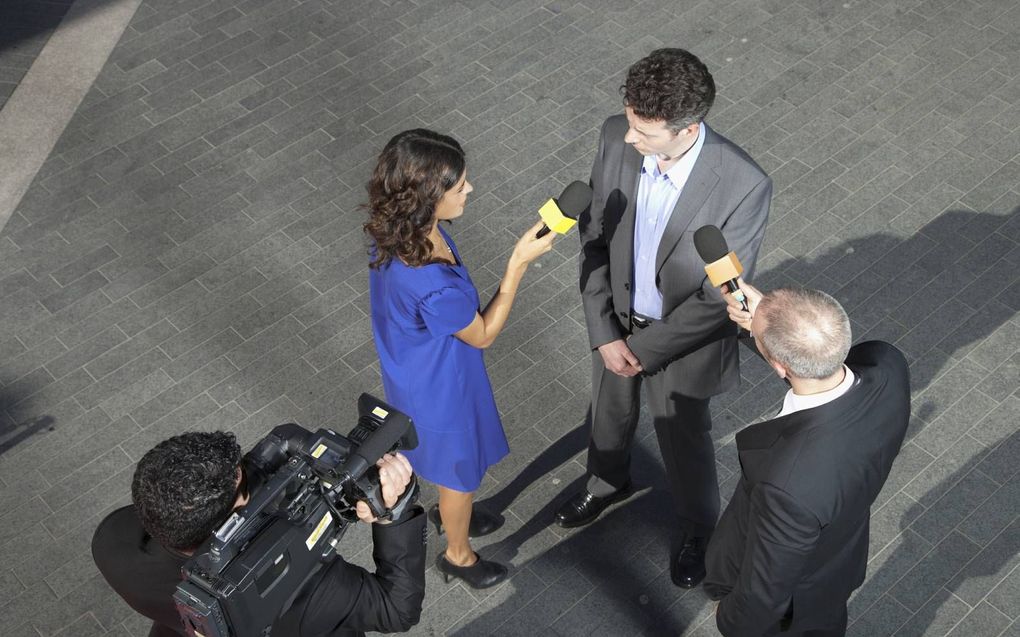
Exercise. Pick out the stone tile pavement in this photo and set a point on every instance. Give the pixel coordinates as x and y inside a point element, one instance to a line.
<point>190,257</point>
<point>25,26</point>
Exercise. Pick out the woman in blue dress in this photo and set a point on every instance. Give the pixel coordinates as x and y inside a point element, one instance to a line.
<point>430,332</point>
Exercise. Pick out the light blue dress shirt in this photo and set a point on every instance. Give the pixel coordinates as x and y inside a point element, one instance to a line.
<point>657,196</point>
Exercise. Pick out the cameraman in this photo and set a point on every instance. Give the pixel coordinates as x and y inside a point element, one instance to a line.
<point>186,487</point>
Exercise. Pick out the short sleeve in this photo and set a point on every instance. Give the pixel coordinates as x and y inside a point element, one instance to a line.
<point>447,310</point>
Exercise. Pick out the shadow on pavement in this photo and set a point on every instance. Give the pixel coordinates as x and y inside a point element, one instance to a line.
<point>934,295</point>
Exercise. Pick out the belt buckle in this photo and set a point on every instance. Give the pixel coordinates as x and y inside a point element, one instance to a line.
<point>639,321</point>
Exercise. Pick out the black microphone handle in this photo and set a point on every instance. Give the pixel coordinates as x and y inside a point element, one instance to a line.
<point>542,232</point>
<point>732,285</point>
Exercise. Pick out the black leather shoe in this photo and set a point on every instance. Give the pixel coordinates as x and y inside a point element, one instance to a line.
<point>482,522</point>
<point>585,508</point>
<point>687,567</point>
<point>481,574</point>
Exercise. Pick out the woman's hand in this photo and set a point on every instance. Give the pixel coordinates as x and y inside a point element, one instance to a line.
<point>529,248</point>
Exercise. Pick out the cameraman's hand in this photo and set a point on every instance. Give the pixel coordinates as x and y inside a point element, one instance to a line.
<point>394,476</point>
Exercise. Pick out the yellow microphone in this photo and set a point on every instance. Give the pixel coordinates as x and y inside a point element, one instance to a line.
<point>560,215</point>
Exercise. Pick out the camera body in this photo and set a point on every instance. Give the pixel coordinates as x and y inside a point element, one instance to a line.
<point>303,487</point>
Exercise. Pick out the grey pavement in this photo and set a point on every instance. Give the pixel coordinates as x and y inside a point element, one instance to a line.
<point>25,27</point>
<point>189,256</point>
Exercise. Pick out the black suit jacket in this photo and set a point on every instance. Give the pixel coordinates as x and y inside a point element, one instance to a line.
<point>793,541</point>
<point>726,189</point>
<point>343,600</point>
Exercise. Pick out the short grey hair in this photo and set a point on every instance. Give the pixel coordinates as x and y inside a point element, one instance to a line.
<point>807,331</point>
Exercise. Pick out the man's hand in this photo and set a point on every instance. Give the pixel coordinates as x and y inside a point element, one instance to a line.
<point>736,312</point>
<point>394,476</point>
<point>618,358</point>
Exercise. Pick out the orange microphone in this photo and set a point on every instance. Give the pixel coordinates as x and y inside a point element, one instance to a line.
<point>721,265</point>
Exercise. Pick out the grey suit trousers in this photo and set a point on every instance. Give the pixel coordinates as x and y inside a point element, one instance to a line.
<point>683,427</point>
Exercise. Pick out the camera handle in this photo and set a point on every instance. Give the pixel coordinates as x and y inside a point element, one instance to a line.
<point>372,492</point>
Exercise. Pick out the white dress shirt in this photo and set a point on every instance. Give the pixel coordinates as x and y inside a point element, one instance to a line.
<point>795,402</point>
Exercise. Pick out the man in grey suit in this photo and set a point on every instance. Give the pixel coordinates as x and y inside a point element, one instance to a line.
<point>653,318</point>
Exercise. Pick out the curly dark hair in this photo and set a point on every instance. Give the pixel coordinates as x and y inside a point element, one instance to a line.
<point>414,171</point>
<point>671,85</point>
<point>186,487</point>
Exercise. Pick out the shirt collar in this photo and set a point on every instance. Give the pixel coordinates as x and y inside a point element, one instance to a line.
<point>795,402</point>
<point>683,167</point>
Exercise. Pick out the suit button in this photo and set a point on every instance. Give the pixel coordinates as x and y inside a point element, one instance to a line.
<point>626,286</point>
<point>623,314</point>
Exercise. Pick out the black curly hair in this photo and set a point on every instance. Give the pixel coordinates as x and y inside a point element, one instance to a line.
<point>414,171</point>
<point>671,85</point>
<point>185,487</point>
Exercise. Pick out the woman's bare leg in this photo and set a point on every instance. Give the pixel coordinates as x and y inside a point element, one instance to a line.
<point>455,511</point>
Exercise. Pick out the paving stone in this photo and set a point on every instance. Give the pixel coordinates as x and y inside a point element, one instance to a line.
<point>190,256</point>
<point>937,568</point>
<point>994,515</point>
<point>945,514</point>
<point>937,617</point>
<point>983,620</point>
<point>882,619</point>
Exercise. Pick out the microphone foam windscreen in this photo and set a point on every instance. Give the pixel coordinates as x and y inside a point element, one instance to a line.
<point>710,244</point>
<point>574,199</point>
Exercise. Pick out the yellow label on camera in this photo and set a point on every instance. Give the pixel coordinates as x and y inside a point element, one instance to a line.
<point>320,528</point>
<point>379,411</point>
<point>321,449</point>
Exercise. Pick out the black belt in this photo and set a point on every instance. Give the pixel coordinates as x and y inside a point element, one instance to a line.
<point>638,322</point>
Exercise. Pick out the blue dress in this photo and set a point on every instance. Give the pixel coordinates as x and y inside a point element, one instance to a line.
<point>431,375</point>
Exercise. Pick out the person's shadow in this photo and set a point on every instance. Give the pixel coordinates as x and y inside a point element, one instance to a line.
<point>566,447</point>
<point>943,554</point>
<point>14,430</point>
<point>933,294</point>
<point>607,576</point>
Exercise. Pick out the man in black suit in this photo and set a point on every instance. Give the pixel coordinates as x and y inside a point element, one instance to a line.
<point>653,318</point>
<point>793,542</point>
<point>187,486</point>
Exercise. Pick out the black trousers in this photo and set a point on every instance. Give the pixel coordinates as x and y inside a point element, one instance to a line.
<point>836,629</point>
<point>683,427</point>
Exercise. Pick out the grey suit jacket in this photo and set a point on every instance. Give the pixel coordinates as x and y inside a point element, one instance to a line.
<point>726,189</point>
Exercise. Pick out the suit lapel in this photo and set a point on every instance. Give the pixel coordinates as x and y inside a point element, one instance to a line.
<point>630,177</point>
<point>699,186</point>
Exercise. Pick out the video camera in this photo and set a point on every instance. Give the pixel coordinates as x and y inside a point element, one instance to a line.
<point>303,489</point>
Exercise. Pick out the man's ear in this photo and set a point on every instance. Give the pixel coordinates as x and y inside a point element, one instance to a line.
<point>780,369</point>
<point>690,129</point>
<point>242,498</point>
